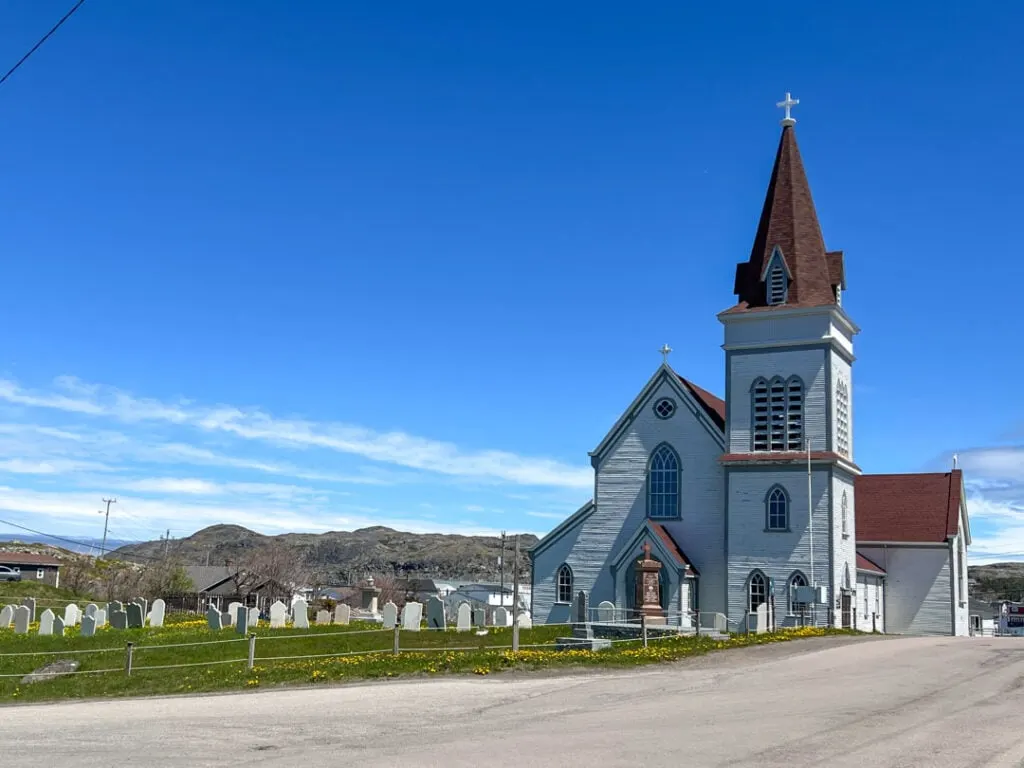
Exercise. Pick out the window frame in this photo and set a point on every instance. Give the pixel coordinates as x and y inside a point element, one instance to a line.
<point>668,400</point>
<point>756,576</point>
<point>653,483</point>
<point>768,499</point>
<point>842,417</point>
<point>777,414</point>
<point>844,512</point>
<point>40,573</point>
<point>564,568</point>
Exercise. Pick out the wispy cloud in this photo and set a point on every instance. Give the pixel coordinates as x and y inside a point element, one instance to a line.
<point>398,448</point>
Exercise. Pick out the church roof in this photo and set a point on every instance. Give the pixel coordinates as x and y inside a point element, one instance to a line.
<point>865,564</point>
<point>670,544</point>
<point>713,406</point>
<point>919,508</point>
<point>789,222</point>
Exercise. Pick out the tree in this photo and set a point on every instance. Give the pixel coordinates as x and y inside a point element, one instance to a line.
<point>166,578</point>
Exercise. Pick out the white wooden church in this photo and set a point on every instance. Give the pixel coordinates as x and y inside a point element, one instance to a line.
<point>744,501</point>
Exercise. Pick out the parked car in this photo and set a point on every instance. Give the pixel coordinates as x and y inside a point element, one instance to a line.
<point>9,574</point>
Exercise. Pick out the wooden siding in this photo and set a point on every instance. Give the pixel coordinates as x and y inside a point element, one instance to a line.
<point>917,588</point>
<point>776,554</point>
<point>841,370</point>
<point>871,588</point>
<point>808,364</point>
<point>777,328</point>
<point>844,548</point>
<point>961,610</point>
<point>621,507</point>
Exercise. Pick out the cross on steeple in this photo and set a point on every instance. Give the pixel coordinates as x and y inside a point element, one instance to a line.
<point>788,103</point>
<point>665,350</point>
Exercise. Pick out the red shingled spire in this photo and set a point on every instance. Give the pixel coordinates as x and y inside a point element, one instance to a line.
<point>789,222</point>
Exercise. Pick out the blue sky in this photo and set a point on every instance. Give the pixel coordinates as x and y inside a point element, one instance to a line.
<point>405,264</point>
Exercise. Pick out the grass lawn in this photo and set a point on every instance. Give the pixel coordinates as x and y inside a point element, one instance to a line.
<point>326,645</point>
<point>45,595</point>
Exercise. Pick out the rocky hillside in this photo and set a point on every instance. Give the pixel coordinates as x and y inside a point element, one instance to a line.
<point>344,555</point>
<point>998,581</point>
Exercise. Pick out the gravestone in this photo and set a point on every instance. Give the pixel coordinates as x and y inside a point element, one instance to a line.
<point>90,610</point>
<point>390,615</point>
<point>119,620</point>
<point>6,616</point>
<point>70,615</point>
<point>342,613</point>
<point>464,617</point>
<point>300,614</point>
<point>323,617</point>
<point>112,606</point>
<point>580,608</point>
<point>156,613</point>
<point>479,617</point>
<point>58,626</point>
<point>435,614</point>
<point>762,618</point>
<point>30,603</point>
<point>606,611</point>
<point>134,611</point>
<point>46,622</point>
<point>278,615</point>
<point>213,618</point>
<point>88,626</point>
<point>22,618</point>
<point>101,618</point>
<point>412,615</point>
<point>233,613</point>
<point>525,620</point>
<point>226,619</point>
<point>242,620</point>
<point>237,617</point>
<point>50,671</point>
<point>254,616</point>
<point>141,602</point>
<point>500,617</point>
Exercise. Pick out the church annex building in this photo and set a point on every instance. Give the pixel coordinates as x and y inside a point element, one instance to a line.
<point>755,506</point>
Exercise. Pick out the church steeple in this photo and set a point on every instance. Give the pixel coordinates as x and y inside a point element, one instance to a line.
<point>788,264</point>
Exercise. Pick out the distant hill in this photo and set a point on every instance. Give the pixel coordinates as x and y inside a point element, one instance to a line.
<point>84,546</point>
<point>997,581</point>
<point>348,556</point>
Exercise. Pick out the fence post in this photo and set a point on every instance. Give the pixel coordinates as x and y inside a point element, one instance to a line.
<point>396,638</point>
<point>643,627</point>
<point>128,651</point>
<point>696,615</point>
<point>252,650</point>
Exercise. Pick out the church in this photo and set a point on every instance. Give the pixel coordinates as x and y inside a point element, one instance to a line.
<point>754,506</point>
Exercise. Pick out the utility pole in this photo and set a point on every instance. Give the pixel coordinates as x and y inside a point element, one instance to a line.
<point>106,522</point>
<point>167,541</point>
<point>515,596</point>
<point>501,569</point>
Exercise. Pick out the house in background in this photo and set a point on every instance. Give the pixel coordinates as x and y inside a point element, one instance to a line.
<point>42,569</point>
<point>218,585</point>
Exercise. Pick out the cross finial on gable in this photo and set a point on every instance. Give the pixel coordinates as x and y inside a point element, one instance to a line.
<point>647,550</point>
<point>788,103</point>
<point>665,351</point>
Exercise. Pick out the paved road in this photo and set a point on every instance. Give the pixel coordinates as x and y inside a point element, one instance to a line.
<point>892,702</point>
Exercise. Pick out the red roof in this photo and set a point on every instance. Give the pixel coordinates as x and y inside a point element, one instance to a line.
<point>915,508</point>
<point>789,221</point>
<point>864,564</point>
<point>672,546</point>
<point>27,558</point>
<point>713,406</point>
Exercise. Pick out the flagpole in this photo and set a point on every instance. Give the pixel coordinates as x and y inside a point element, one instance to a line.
<point>810,519</point>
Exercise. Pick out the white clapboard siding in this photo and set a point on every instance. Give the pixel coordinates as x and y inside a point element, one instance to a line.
<point>917,588</point>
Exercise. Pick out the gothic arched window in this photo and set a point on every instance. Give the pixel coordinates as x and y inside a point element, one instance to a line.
<point>757,590</point>
<point>663,483</point>
<point>842,417</point>
<point>796,580</point>
<point>777,509</point>
<point>845,512</point>
<point>777,413</point>
<point>564,582</point>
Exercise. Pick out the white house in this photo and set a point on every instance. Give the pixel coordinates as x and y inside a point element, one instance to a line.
<point>757,499</point>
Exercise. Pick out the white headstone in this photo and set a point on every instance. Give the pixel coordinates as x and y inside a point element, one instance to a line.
<point>278,615</point>
<point>46,622</point>
<point>156,613</point>
<point>606,611</point>
<point>22,618</point>
<point>101,618</point>
<point>464,618</point>
<point>412,615</point>
<point>501,617</point>
<point>70,615</point>
<point>300,611</point>
<point>323,617</point>
<point>342,613</point>
<point>233,612</point>
<point>254,617</point>
<point>762,618</point>
<point>88,626</point>
<point>390,615</point>
<point>525,620</point>
<point>90,609</point>
<point>6,616</point>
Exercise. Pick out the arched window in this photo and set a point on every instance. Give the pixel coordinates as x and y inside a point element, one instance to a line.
<point>777,412</point>
<point>846,576</point>
<point>757,590</point>
<point>796,580</point>
<point>777,509</point>
<point>663,483</point>
<point>565,584</point>
<point>842,417</point>
<point>845,512</point>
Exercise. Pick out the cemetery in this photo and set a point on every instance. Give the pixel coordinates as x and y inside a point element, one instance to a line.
<point>138,648</point>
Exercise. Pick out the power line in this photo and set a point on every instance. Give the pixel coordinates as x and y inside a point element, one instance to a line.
<point>103,550</point>
<point>42,40</point>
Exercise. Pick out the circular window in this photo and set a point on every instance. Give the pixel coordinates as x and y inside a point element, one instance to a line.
<point>664,408</point>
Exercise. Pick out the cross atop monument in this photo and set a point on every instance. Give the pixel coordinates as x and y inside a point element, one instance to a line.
<point>647,550</point>
<point>788,103</point>
<point>665,351</point>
